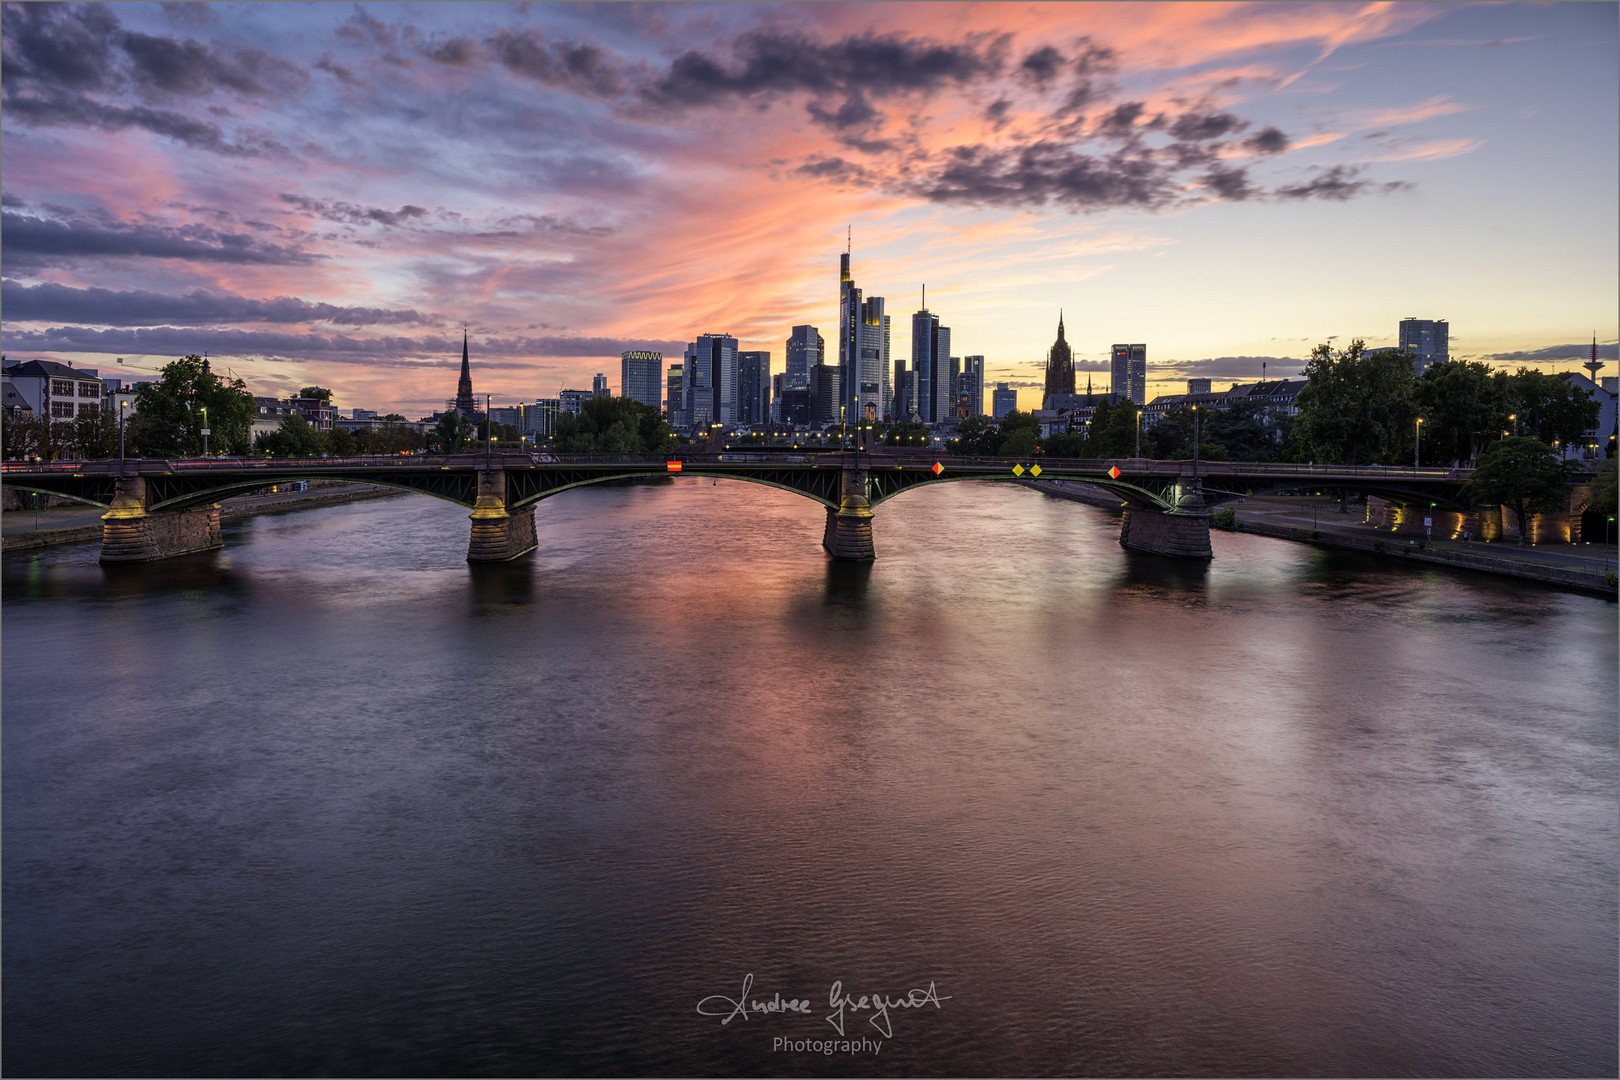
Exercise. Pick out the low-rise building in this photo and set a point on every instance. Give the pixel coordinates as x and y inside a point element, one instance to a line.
<point>59,391</point>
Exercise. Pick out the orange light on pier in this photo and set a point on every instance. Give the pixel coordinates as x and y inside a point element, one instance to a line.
<point>672,466</point>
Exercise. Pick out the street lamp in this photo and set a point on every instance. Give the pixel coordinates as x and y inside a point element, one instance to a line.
<point>1515,418</point>
<point>1136,450</point>
<point>122,405</point>
<point>1195,441</point>
<point>205,430</point>
<point>489,432</point>
<point>1417,444</point>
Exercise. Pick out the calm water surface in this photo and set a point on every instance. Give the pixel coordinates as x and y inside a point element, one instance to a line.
<point>331,801</point>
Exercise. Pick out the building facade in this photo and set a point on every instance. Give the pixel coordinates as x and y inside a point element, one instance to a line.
<point>54,390</point>
<point>710,387</point>
<point>573,401</point>
<point>931,364</point>
<point>1128,373</point>
<point>641,376</point>
<point>674,397</point>
<point>1429,340</point>
<point>970,387</point>
<point>1059,366</point>
<point>753,386</point>
<point>1003,400</point>
<point>805,349</point>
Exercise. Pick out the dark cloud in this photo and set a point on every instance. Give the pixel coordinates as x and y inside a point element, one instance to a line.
<point>388,351</point>
<point>27,241</point>
<point>57,59</point>
<point>1242,369</point>
<point>1121,120</point>
<point>996,113</point>
<point>192,68</point>
<point>350,214</point>
<point>840,75</point>
<point>190,15</point>
<point>1230,184</point>
<point>1043,172</point>
<point>1338,183</point>
<point>1552,353</point>
<point>1266,141</point>
<point>456,52</point>
<point>1042,65</point>
<point>1199,127</point>
<point>855,114</point>
<point>832,168</point>
<point>580,67</point>
<point>56,45</point>
<point>104,307</point>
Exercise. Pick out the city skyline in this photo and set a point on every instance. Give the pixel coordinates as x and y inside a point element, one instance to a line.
<point>325,194</point>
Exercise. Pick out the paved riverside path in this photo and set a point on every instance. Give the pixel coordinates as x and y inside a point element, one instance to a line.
<point>1350,530</point>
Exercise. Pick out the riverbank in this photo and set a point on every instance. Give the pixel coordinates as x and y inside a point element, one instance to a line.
<point>24,529</point>
<point>1315,520</point>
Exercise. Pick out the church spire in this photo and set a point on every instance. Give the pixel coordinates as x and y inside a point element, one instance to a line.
<point>466,404</point>
<point>1060,324</point>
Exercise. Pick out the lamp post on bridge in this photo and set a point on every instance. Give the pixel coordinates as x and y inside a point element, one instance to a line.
<point>489,432</point>
<point>122,405</point>
<point>1417,444</point>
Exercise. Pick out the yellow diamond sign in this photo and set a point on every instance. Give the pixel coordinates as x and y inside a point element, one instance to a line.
<point>938,468</point>
<point>1113,470</point>
<point>1018,470</point>
<point>1034,470</point>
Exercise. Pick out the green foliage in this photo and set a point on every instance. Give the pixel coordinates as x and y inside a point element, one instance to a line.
<point>340,442</point>
<point>1356,408</point>
<point>1223,517</point>
<point>452,434</point>
<point>1610,580</point>
<point>169,413</point>
<point>1603,489</point>
<point>1524,475</point>
<point>975,435</point>
<point>612,425</point>
<point>95,434</point>
<point>294,438</point>
<point>391,438</point>
<point>316,392</point>
<point>1549,408</point>
<point>1464,405</point>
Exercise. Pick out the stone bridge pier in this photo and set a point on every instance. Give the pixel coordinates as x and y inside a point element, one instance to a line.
<point>849,527</point>
<point>498,535</point>
<point>129,533</point>
<point>1182,532</point>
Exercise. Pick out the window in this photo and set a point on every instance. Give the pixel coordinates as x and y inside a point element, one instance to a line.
<point>61,387</point>
<point>62,408</point>
<point>89,407</point>
<point>90,390</point>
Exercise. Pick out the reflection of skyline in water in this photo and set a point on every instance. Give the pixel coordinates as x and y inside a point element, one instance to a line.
<point>333,801</point>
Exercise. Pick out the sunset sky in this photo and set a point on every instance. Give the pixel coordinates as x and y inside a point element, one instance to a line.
<point>324,193</point>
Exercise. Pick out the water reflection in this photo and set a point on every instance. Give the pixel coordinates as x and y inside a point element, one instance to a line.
<point>848,583</point>
<point>510,582</point>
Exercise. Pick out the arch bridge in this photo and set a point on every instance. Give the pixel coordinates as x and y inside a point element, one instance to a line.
<point>157,509</point>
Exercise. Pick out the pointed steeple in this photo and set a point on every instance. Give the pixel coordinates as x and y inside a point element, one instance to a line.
<point>1060,324</point>
<point>466,404</point>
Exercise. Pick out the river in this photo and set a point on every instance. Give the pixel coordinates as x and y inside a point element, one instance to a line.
<point>332,801</point>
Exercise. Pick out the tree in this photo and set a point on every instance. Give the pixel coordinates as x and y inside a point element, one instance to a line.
<point>340,442</point>
<point>975,435</point>
<point>294,438</point>
<point>95,433</point>
<point>1356,408</point>
<point>452,433</point>
<point>169,413</point>
<point>1525,475</point>
<point>1603,489</point>
<point>1551,409</point>
<point>612,425</point>
<point>1464,405</point>
<point>1237,431</point>
<point>315,392</point>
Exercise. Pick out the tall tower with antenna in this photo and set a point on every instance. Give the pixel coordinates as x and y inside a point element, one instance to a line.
<point>1594,365</point>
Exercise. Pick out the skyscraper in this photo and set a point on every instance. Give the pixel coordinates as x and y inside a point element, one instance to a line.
<point>599,386</point>
<point>874,367</point>
<point>753,387</point>
<point>640,377</point>
<point>711,380</point>
<point>1003,400</point>
<point>931,362</point>
<point>466,404</point>
<point>1128,373</point>
<point>971,385</point>
<point>675,399</point>
<point>849,336</point>
<point>805,349</point>
<point>1059,366</point>
<point>1426,339</point>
